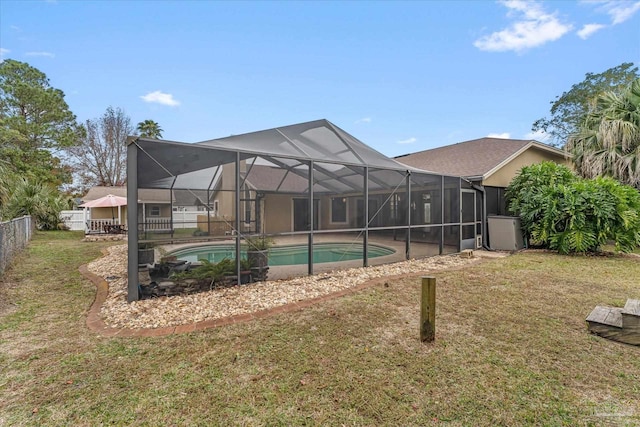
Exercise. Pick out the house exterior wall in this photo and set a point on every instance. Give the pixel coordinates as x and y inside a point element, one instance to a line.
<point>505,174</point>
<point>278,213</point>
<point>325,214</point>
<point>165,210</point>
<point>226,204</point>
<point>109,213</point>
<point>226,196</point>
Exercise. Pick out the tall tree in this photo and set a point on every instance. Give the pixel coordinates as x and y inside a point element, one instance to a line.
<point>608,143</point>
<point>35,121</point>
<point>569,110</point>
<point>149,129</point>
<point>101,156</point>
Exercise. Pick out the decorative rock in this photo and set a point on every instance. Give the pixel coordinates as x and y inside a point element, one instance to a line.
<point>165,285</point>
<point>224,300</point>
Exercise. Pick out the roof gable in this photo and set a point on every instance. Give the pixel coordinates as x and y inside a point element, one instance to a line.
<point>100,191</point>
<point>475,158</point>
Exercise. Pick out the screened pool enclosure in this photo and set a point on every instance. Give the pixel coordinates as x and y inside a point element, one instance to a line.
<point>308,185</point>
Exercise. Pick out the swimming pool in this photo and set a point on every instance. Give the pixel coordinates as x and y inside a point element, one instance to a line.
<point>287,255</point>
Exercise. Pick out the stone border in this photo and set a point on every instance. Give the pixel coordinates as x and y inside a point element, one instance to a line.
<point>96,324</point>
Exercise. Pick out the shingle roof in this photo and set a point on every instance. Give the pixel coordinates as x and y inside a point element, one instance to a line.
<point>100,191</point>
<point>472,158</point>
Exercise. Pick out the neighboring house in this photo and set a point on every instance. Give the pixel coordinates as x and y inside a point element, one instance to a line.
<point>155,206</point>
<point>488,162</point>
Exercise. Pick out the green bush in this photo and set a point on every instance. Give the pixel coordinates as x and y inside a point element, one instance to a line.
<point>42,202</point>
<point>213,271</point>
<point>561,211</point>
<point>258,243</point>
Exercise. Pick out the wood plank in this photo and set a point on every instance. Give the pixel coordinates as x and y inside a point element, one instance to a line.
<point>615,334</point>
<point>632,307</point>
<point>606,315</point>
<point>616,323</point>
<point>614,318</point>
<point>598,314</point>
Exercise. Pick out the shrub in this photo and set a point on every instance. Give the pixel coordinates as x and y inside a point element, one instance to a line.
<point>258,243</point>
<point>42,202</point>
<point>561,211</point>
<point>213,271</point>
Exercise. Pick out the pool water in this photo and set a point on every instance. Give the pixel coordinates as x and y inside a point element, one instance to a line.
<point>287,255</point>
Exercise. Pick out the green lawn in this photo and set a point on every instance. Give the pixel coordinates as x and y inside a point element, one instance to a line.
<point>511,348</point>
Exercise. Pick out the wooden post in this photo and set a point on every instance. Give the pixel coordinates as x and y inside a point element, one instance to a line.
<point>428,309</point>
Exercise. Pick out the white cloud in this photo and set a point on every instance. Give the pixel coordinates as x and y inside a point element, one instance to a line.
<point>619,11</point>
<point>589,29</point>
<point>44,54</point>
<point>407,141</point>
<point>15,28</point>
<point>538,135</point>
<point>160,98</point>
<point>503,135</point>
<point>3,52</point>
<point>364,120</point>
<point>532,27</point>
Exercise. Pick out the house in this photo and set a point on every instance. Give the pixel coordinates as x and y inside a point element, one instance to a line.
<point>490,163</point>
<point>306,185</point>
<point>155,206</point>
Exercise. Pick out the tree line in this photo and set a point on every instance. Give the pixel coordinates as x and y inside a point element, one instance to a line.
<point>47,156</point>
<point>597,121</point>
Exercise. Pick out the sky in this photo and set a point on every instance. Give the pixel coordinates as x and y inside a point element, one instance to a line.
<point>400,76</point>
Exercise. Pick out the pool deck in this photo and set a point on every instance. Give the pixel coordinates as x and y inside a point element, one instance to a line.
<point>418,250</point>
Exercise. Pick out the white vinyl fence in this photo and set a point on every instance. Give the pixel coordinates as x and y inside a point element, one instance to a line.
<point>75,220</point>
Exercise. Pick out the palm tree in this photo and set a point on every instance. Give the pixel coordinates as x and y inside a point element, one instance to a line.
<point>41,201</point>
<point>608,142</point>
<point>150,129</point>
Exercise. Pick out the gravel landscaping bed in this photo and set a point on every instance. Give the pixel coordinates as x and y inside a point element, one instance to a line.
<point>219,303</point>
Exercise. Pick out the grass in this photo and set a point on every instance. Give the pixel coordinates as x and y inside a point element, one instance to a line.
<point>511,349</point>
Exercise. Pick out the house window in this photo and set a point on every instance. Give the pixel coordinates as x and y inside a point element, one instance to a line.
<point>216,207</point>
<point>338,210</point>
<point>154,210</point>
